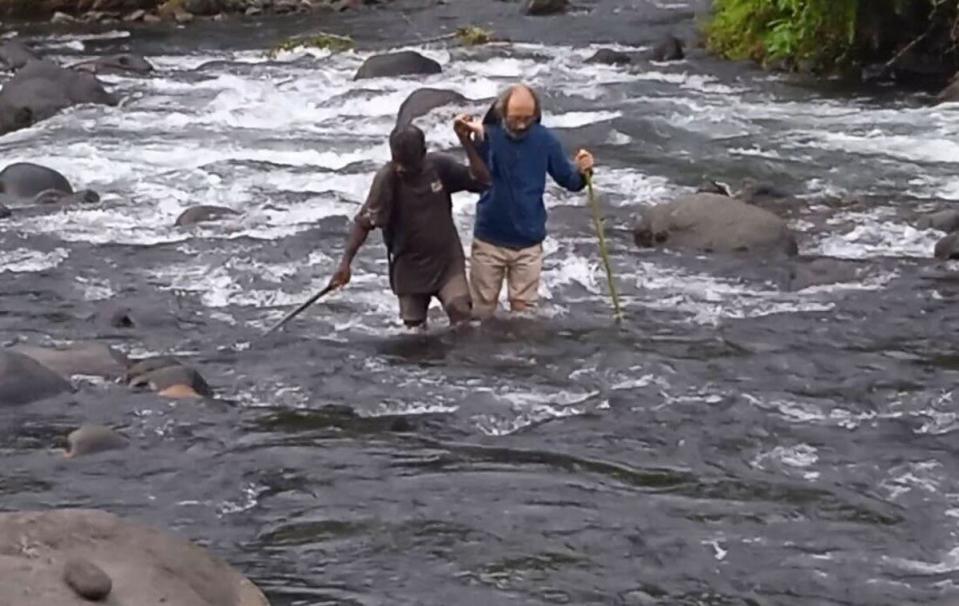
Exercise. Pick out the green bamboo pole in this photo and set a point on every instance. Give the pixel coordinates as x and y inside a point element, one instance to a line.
<point>598,223</point>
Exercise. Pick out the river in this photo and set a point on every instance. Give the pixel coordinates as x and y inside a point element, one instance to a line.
<point>732,442</point>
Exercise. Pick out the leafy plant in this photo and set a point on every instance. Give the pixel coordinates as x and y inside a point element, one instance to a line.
<point>820,31</point>
<point>832,34</point>
<point>331,42</point>
<point>472,36</point>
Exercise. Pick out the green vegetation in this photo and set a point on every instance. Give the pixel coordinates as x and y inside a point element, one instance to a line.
<point>831,35</point>
<point>472,36</point>
<point>331,42</point>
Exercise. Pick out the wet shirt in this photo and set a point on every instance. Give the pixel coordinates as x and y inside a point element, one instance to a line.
<point>415,213</point>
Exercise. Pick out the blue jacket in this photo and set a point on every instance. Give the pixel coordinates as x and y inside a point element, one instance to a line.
<point>511,212</point>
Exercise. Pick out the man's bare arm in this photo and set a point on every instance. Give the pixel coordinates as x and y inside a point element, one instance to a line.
<point>478,169</point>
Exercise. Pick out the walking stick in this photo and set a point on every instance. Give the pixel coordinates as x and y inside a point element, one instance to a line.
<point>598,223</point>
<point>299,309</point>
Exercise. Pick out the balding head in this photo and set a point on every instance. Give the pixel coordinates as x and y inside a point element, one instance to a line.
<point>519,109</point>
<point>521,101</point>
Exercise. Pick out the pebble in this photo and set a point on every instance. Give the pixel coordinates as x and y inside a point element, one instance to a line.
<point>87,579</point>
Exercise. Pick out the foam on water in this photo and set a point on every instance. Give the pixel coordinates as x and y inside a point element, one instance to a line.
<point>796,411</point>
<point>875,237</point>
<point>949,564</point>
<point>877,142</point>
<point>568,270</point>
<point>22,260</point>
<point>629,187</point>
<point>94,289</point>
<point>919,476</point>
<point>684,80</point>
<point>708,299</point>
<point>800,456</point>
<point>949,190</point>
<point>222,284</point>
<point>529,408</point>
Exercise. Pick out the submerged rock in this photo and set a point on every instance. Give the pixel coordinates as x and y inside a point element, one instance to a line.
<point>91,439</point>
<point>169,379</point>
<point>669,48</point>
<point>203,213</point>
<point>546,7</point>
<point>610,57</point>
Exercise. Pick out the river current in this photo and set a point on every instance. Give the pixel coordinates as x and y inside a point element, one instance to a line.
<point>734,441</point>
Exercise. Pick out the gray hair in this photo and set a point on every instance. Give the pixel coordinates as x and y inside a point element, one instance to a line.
<point>498,111</point>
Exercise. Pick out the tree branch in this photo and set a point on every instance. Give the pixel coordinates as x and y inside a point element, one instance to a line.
<point>920,38</point>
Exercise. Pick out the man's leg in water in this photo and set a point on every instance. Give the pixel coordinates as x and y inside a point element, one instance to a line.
<point>487,270</point>
<point>413,309</point>
<point>522,278</point>
<point>455,296</point>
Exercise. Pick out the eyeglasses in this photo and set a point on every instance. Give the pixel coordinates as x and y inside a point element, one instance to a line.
<point>520,120</point>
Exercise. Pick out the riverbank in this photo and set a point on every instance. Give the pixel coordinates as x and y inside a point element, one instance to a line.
<point>158,11</point>
<point>915,42</point>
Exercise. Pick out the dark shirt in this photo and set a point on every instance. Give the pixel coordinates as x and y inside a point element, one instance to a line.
<point>415,213</point>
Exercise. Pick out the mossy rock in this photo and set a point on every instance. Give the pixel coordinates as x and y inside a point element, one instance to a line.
<point>170,8</point>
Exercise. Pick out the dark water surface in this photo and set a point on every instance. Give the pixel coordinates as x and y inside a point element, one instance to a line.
<point>735,441</point>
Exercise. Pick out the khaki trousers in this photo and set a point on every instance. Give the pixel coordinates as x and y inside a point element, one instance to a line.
<point>489,264</point>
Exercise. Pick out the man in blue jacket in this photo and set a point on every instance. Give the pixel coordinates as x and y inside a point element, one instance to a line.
<point>511,216</point>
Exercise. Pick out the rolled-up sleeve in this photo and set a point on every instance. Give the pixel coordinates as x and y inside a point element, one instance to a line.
<point>457,177</point>
<point>564,172</point>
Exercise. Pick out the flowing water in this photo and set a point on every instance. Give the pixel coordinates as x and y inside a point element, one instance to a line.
<point>735,441</point>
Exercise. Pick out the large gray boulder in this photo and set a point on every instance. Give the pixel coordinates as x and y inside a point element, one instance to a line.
<point>422,100</point>
<point>947,248</point>
<point>41,89</point>
<point>69,557</point>
<point>399,63</point>
<point>15,54</point>
<point>83,358</point>
<point>24,380</point>
<point>708,222</point>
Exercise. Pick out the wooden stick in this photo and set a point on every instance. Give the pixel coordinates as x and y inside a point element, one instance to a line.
<point>299,309</point>
<point>598,223</point>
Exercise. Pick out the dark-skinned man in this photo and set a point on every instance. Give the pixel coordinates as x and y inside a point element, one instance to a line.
<point>409,200</point>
